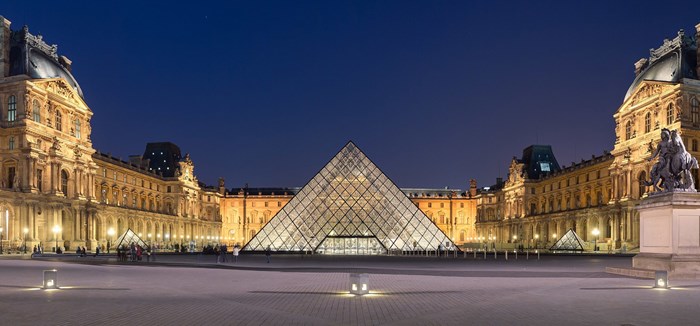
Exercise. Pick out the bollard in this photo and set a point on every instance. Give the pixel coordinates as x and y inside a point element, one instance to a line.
<point>538,254</point>
<point>495,256</point>
<point>474,254</point>
<point>516,254</point>
<point>484,254</point>
<point>527,255</point>
<point>506,252</point>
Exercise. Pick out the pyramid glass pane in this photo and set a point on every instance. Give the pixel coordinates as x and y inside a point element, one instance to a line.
<point>350,208</point>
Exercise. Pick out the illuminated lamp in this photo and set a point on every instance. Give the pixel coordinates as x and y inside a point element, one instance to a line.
<point>51,279</point>
<point>661,280</point>
<point>359,283</point>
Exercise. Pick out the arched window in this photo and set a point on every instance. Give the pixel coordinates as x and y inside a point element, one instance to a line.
<point>669,114</point>
<point>11,108</point>
<point>628,130</point>
<point>64,182</point>
<point>11,144</point>
<point>647,122</point>
<point>77,128</point>
<point>695,110</point>
<point>58,121</point>
<point>36,110</point>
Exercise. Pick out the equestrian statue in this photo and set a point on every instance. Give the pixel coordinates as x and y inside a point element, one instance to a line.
<point>672,171</point>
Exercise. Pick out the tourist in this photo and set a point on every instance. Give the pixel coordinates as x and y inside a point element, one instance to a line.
<point>132,252</point>
<point>97,251</point>
<point>235,253</point>
<point>224,252</point>
<point>268,252</point>
<point>139,253</point>
<point>217,253</point>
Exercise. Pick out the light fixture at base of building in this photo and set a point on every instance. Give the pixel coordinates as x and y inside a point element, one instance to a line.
<point>359,283</point>
<point>661,280</point>
<point>50,279</point>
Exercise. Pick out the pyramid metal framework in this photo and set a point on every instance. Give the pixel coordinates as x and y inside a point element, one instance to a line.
<point>569,242</point>
<point>127,238</point>
<point>349,207</point>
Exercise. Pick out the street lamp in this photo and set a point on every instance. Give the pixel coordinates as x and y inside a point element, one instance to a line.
<point>25,239</point>
<point>56,230</point>
<point>537,240</point>
<point>595,232</point>
<point>515,241</point>
<point>110,233</point>
<point>0,240</point>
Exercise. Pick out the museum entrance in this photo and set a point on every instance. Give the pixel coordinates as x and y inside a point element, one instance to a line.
<point>350,245</point>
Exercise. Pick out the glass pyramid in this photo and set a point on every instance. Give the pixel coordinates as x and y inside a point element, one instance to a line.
<point>569,242</point>
<point>350,207</point>
<point>127,238</point>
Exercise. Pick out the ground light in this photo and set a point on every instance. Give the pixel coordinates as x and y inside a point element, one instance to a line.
<point>50,279</point>
<point>359,284</point>
<point>661,280</point>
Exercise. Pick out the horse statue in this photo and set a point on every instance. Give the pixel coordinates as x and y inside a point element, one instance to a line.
<point>673,166</point>
<point>681,163</point>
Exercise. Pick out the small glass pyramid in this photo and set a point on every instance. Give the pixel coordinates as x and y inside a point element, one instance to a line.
<point>569,242</point>
<point>127,238</point>
<point>349,208</point>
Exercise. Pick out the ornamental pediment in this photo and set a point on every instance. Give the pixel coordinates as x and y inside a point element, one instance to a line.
<point>645,91</point>
<point>62,88</point>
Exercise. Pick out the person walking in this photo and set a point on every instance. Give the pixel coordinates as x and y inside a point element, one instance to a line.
<point>218,254</point>
<point>224,252</point>
<point>268,253</point>
<point>235,253</point>
<point>97,251</point>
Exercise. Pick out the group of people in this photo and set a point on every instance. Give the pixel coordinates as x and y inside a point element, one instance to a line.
<point>222,251</point>
<point>134,253</point>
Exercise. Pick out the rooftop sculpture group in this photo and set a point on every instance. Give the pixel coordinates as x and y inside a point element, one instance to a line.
<point>672,171</point>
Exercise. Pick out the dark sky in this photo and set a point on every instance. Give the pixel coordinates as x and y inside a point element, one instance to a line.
<point>434,92</point>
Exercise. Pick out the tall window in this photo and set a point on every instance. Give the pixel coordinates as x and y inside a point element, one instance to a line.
<point>64,182</point>
<point>12,108</point>
<point>628,130</point>
<point>11,144</point>
<point>58,121</point>
<point>39,179</point>
<point>647,122</point>
<point>695,110</point>
<point>77,128</point>
<point>694,146</point>
<point>669,114</point>
<point>11,177</point>
<point>36,110</point>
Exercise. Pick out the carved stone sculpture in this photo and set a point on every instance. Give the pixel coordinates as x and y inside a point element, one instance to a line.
<point>672,171</point>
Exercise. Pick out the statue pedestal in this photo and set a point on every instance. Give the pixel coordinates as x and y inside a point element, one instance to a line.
<point>670,234</point>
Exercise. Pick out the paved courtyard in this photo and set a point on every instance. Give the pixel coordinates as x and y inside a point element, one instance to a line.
<point>194,290</point>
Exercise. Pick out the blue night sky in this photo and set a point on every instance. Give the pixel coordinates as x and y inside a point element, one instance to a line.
<point>434,92</point>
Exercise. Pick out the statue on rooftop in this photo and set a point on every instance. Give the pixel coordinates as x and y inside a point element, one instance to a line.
<point>673,166</point>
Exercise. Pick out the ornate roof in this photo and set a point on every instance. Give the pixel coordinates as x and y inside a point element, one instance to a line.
<point>30,55</point>
<point>671,62</point>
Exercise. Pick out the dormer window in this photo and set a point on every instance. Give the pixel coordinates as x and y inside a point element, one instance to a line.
<point>628,130</point>
<point>695,110</point>
<point>77,128</point>
<point>647,122</point>
<point>669,114</point>
<point>36,110</point>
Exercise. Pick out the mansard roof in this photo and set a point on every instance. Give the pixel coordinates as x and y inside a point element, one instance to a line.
<point>31,56</point>
<point>539,161</point>
<point>671,62</point>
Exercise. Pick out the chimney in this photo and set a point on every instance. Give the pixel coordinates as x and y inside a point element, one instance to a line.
<point>5,33</point>
<point>472,187</point>
<point>65,62</point>
<point>499,181</point>
<point>222,187</point>
<point>640,65</point>
<point>697,41</point>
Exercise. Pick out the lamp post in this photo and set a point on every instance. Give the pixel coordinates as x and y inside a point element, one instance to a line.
<point>0,240</point>
<point>25,239</point>
<point>595,232</point>
<point>110,233</point>
<point>515,240</point>
<point>537,240</point>
<point>56,230</point>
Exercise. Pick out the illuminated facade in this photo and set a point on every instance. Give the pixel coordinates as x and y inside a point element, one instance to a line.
<point>56,189</point>
<point>601,193</point>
